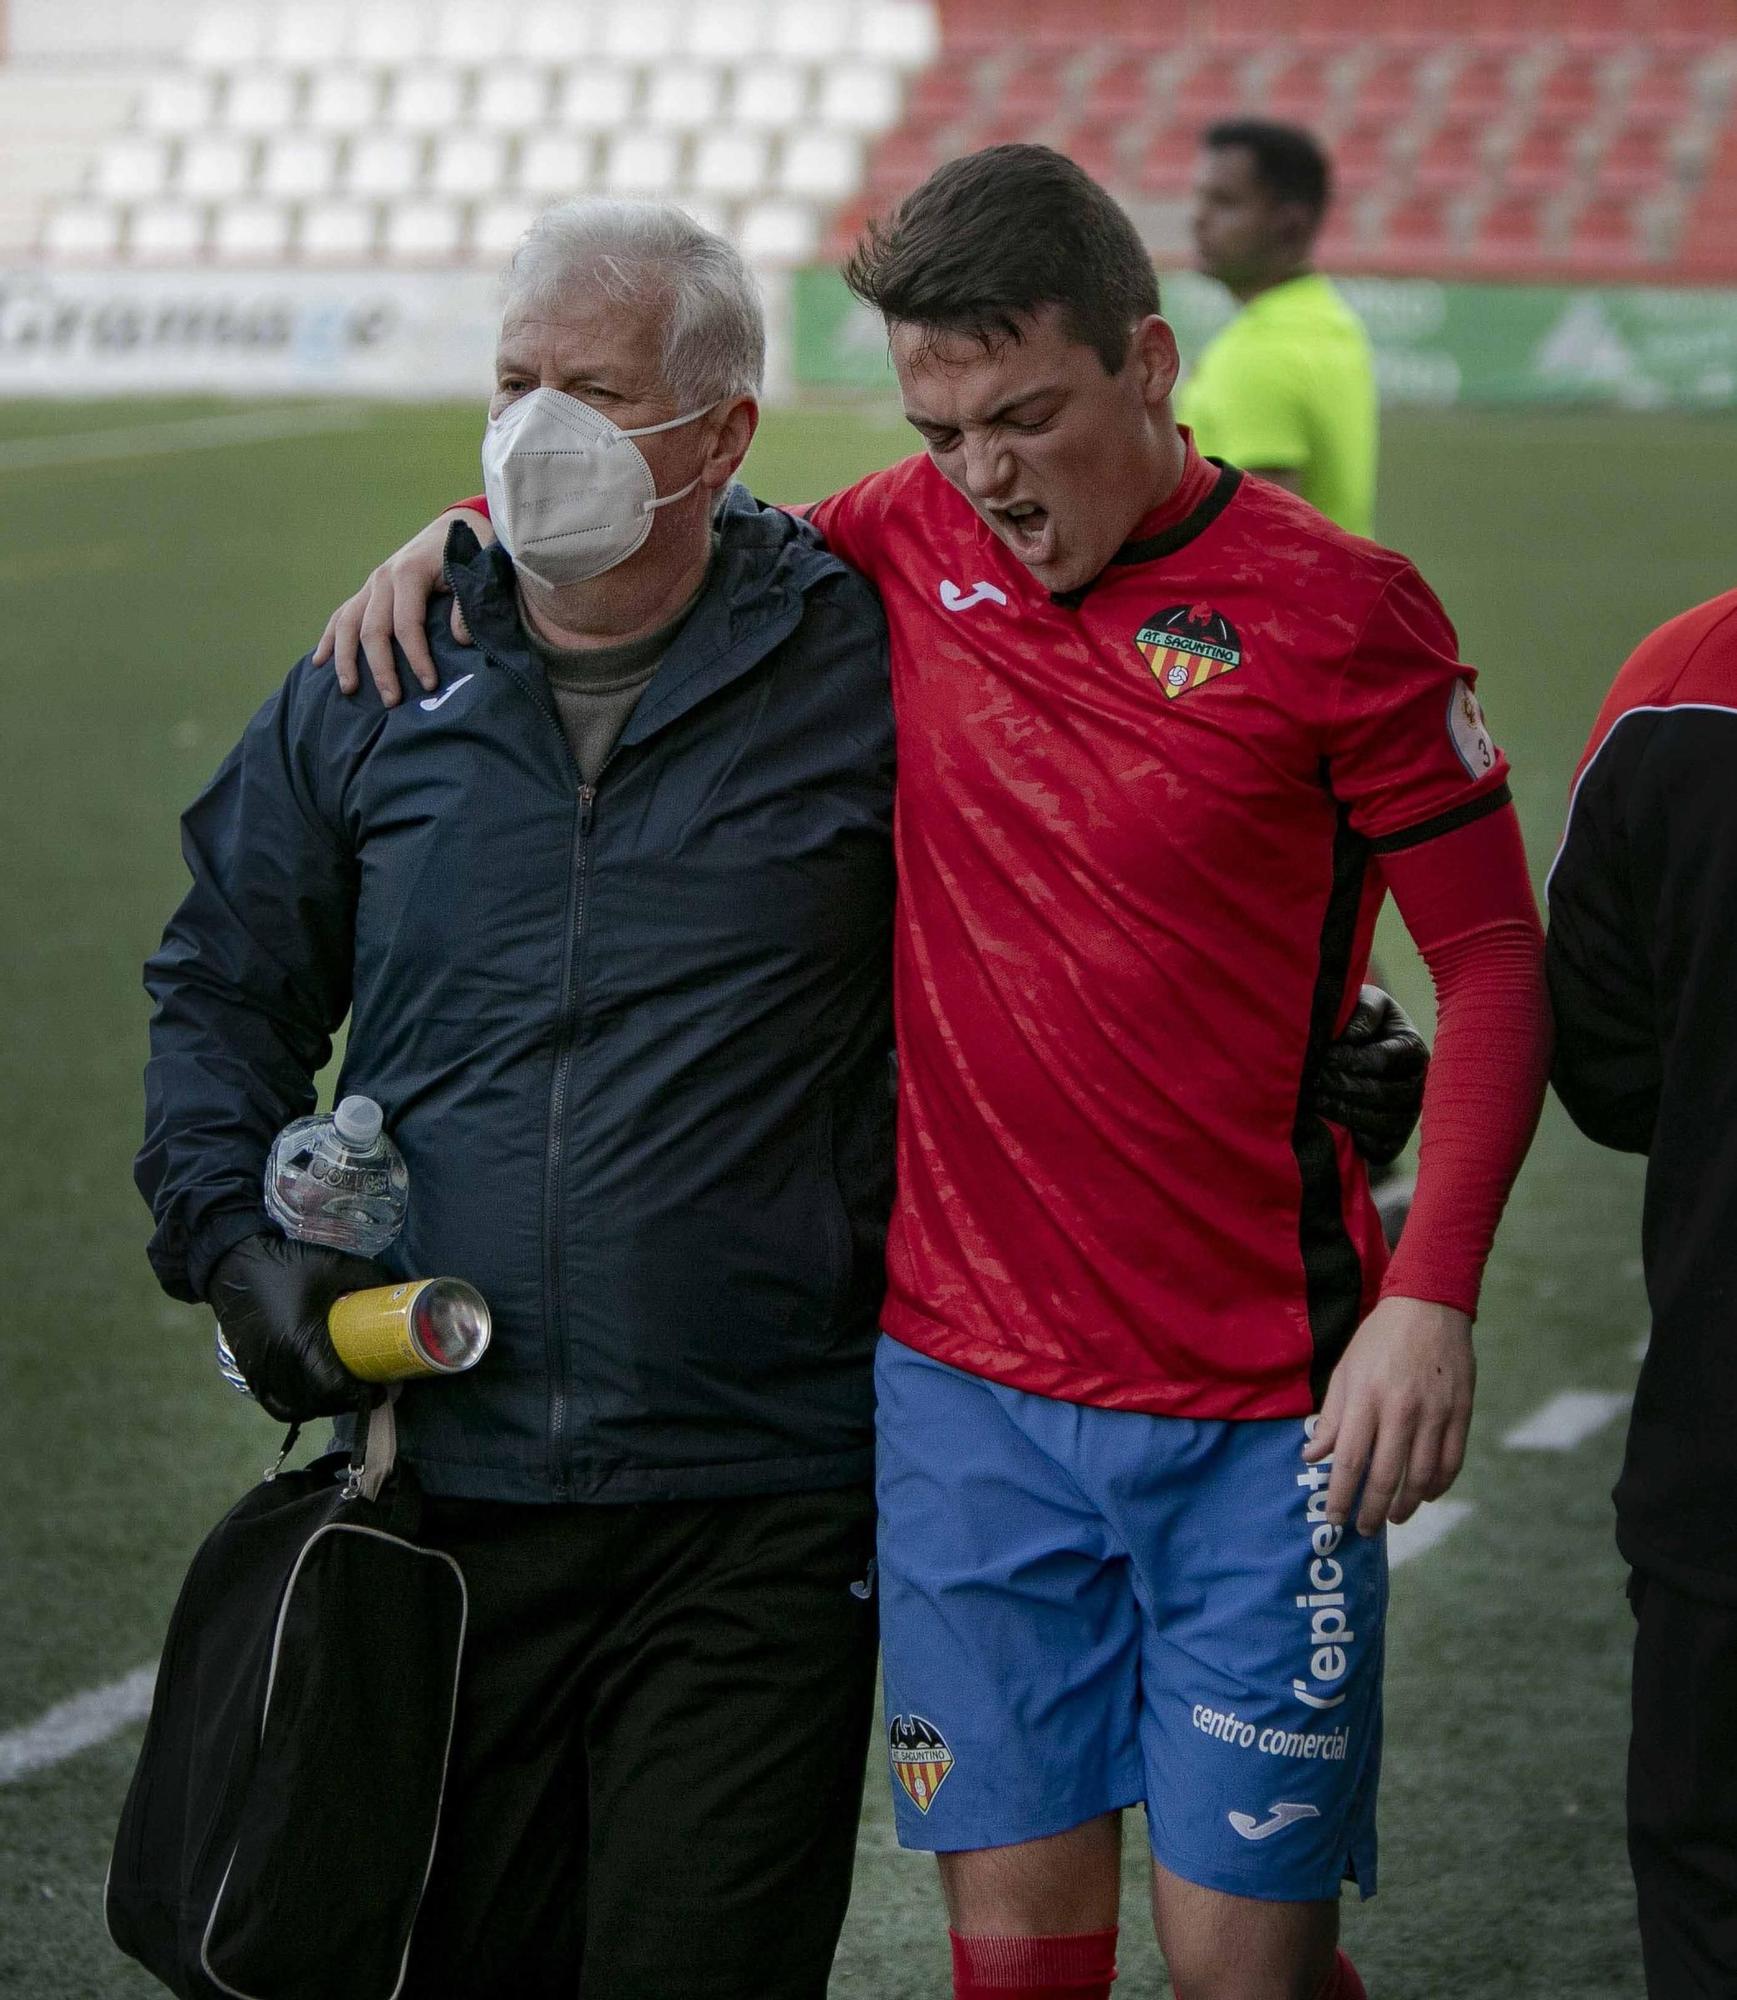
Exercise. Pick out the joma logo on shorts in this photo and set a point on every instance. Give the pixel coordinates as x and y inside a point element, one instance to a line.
<point>1330,1633</point>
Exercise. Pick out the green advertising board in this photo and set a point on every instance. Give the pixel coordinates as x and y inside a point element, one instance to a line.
<point>1435,344</point>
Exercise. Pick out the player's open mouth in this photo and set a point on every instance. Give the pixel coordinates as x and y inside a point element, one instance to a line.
<point>1025,528</point>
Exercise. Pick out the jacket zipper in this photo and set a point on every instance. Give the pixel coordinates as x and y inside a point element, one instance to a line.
<point>554,1311</point>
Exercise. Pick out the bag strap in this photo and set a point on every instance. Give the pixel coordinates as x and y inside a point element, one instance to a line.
<point>376,1449</point>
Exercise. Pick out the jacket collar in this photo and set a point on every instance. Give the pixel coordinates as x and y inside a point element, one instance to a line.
<point>753,601</point>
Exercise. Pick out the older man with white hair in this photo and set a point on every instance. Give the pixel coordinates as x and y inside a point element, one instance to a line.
<point>610,914</point>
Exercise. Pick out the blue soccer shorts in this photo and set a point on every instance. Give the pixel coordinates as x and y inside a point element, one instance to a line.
<point>1082,1609</point>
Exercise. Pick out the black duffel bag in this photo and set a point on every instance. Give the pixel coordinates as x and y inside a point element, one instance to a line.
<point>281,1822</point>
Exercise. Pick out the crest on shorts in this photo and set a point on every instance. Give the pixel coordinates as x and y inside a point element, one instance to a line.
<point>1187,646</point>
<point>921,1759</point>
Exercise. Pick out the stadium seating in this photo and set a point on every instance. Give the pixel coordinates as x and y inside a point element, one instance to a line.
<point>1464,142</point>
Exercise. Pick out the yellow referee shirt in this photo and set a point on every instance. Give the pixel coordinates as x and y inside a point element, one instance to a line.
<point>1290,384</point>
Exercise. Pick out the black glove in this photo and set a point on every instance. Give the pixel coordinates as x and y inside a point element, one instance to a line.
<point>1371,1079</point>
<point>271,1297</point>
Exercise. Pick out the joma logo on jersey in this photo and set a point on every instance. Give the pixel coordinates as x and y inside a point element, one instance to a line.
<point>921,1759</point>
<point>1187,646</point>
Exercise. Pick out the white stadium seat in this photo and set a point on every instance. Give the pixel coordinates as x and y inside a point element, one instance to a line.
<point>555,165</point>
<point>859,97</point>
<point>425,100</point>
<point>83,229</point>
<point>511,100</point>
<point>224,36</point>
<point>298,166</point>
<point>497,226</point>
<point>682,97</point>
<point>642,163</point>
<point>641,31</point>
<point>467,32</point>
<point>341,231</point>
<point>132,169</point>
<point>420,232</point>
<point>260,100</point>
<point>468,165</point>
<point>902,32</point>
<point>770,95</point>
<point>384,163</point>
<point>389,32</point>
<point>167,231</point>
<point>554,31</point>
<point>343,100</point>
<point>712,215</point>
<point>306,33</point>
<point>730,31</point>
<point>245,232</point>
<point>731,163</point>
<point>594,99</point>
<point>820,164</point>
<point>811,30</point>
<point>181,101</point>
<point>215,167</point>
<point>778,232</point>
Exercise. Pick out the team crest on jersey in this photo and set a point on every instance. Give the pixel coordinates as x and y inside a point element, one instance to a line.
<point>921,1759</point>
<point>1187,646</point>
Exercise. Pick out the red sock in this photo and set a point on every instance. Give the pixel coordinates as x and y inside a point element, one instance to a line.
<point>1034,1968</point>
<point>1342,1983</point>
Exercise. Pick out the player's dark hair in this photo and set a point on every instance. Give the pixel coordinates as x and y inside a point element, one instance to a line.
<point>991,238</point>
<point>1288,162</point>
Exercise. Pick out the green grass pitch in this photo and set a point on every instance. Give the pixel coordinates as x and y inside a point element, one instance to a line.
<point>149,601</point>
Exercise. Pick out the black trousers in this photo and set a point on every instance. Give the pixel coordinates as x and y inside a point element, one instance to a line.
<point>658,1759</point>
<point>1682,1791</point>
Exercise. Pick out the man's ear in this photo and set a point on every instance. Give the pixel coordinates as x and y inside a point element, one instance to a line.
<point>731,436</point>
<point>1156,357</point>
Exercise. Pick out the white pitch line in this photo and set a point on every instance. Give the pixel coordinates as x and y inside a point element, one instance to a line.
<point>72,1726</point>
<point>1433,1521</point>
<point>1566,1420</point>
<point>193,434</point>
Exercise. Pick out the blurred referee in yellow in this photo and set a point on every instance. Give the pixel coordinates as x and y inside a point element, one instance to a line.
<point>1287,389</point>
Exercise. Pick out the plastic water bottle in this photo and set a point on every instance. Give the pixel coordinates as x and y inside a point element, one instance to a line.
<point>338,1180</point>
<point>334,1179</point>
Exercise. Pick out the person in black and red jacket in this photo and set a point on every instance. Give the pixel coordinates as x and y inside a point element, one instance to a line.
<point>1642,961</point>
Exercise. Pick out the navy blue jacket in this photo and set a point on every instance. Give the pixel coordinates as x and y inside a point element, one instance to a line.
<point>633,1038</point>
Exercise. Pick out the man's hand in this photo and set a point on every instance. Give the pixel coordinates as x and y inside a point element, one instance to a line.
<point>393,604</point>
<point>1398,1407</point>
<point>271,1297</point>
<point>1371,1079</point>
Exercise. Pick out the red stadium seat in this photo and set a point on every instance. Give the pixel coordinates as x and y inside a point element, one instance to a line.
<point>1301,93</point>
<point>1363,153</point>
<point>1483,85</point>
<point>1604,233</point>
<point>1415,231</point>
<point>1453,154</point>
<point>1574,88</point>
<point>1032,90</point>
<point>1667,86</point>
<point>1510,230</point>
<point>1097,147</point>
<point>1547,158</point>
<point>1390,85</point>
<point>1216,88</point>
<point>1124,90</point>
<point>943,92</point>
<point>902,159</point>
<point>1638,158</point>
<point>1166,162</point>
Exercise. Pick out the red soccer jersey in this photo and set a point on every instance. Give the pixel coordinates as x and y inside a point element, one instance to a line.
<point>1138,832</point>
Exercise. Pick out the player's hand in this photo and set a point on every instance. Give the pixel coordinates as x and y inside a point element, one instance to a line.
<point>1371,1078</point>
<point>1397,1412</point>
<point>392,604</point>
<point>271,1297</point>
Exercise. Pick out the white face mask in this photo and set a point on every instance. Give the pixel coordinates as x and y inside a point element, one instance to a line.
<point>570,493</point>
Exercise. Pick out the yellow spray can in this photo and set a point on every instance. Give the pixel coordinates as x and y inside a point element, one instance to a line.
<point>425,1326</point>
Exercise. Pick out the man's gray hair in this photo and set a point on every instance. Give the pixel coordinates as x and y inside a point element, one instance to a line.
<point>649,252</point>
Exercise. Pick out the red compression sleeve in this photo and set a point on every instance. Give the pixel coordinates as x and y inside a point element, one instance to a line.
<point>477,504</point>
<point>1079,1967</point>
<point>1467,901</point>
